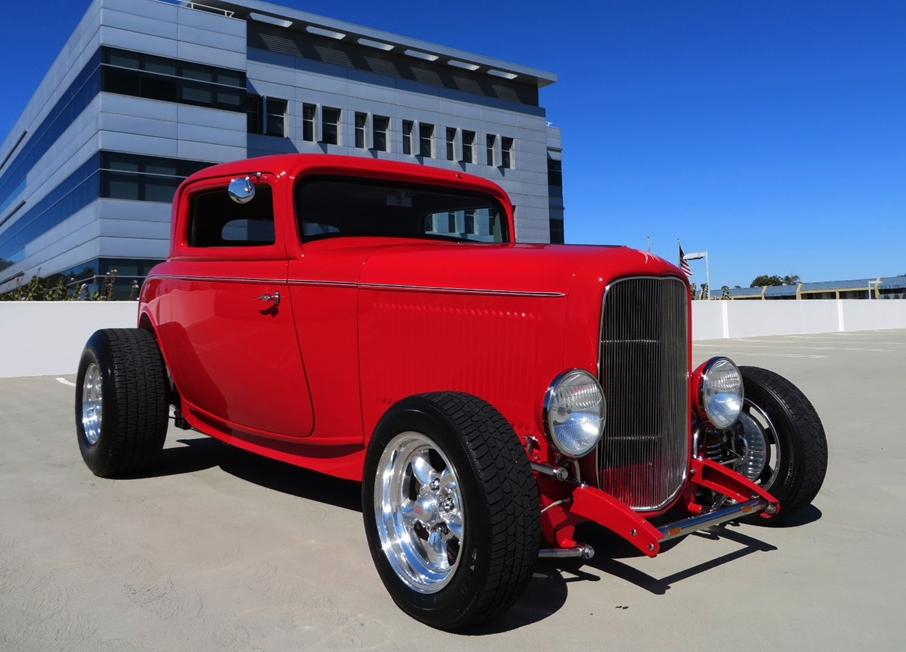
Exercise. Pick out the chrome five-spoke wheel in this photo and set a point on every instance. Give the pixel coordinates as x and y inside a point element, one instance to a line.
<point>450,507</point>
<point>419,512</point>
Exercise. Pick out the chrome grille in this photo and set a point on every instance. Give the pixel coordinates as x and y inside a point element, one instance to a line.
<point>644,367</point>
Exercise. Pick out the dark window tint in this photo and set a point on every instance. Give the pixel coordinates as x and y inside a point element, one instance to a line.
<point>347,207</point>
<point>506,152</point>
<point>491,140</point>
<point>171,80</point>
<point>407,136</point>
<point>468,146</point>
<point>215,220</point>
<point>380,126</point>
<point>557,233</point>
<point>425,139</point>
<point>253,109</point>
<point>330,126</point>
<point>554,172</point>
<point>451,144</point>
<point>308,122</point>
<point>143,178</point>
<point>275,120</point>
<point>361,119</point>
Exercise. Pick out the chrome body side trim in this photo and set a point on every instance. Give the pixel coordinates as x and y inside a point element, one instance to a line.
<point>369,286</point>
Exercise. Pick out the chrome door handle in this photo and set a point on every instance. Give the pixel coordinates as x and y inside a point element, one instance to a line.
<point>275,297</point>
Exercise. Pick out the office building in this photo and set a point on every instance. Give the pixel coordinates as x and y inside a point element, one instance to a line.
<point>145,92</point>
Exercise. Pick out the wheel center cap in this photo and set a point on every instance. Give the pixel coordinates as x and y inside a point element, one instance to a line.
<point>425,508</point>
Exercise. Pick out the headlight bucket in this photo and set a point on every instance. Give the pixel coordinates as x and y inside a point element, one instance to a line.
<point>720,392</point>
<point>574,412</point>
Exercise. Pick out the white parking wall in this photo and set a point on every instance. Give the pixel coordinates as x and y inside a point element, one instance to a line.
<point>750,318</point>
<point>735,319</point>
<point>46,338</point>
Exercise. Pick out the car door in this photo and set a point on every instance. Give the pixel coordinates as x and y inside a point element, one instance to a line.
<point>228,319</point>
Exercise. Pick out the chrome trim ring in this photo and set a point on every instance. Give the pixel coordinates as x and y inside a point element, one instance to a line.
<point>419,511</point>
<point>92,403</point>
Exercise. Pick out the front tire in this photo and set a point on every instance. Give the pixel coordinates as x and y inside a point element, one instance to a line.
<point>450,509</point>
<point>121,404</point>
<point>796,443</point>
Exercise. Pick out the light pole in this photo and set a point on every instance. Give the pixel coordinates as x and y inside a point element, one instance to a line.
<point>876,283</point>
<point>697,256</point>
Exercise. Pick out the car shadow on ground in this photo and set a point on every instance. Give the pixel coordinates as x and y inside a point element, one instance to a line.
<point>544,595</point>
<point>547,590</point>
<point>292,480</point>
<point>196,454</point>
<point>611,550</point>
<point>201,453</point>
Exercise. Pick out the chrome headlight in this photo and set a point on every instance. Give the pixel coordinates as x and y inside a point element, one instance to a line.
<point>720,392</point>
<point>574,412</point>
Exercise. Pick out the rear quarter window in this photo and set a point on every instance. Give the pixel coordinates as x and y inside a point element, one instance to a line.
<point>215,220</point>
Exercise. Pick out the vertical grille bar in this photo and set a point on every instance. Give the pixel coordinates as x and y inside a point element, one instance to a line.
<point>644,366</point>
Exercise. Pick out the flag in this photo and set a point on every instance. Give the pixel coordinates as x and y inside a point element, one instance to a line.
<point>683,263</point>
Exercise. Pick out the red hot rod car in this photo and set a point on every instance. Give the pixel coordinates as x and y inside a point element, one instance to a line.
<point>377,321</point>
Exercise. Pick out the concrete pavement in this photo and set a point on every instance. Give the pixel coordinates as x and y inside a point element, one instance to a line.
<point>217,549</point>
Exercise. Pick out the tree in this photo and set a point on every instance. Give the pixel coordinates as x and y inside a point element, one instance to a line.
<point>791,280</point>
<point>764,279</point>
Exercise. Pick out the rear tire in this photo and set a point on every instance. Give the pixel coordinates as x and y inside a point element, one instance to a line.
<point>450,509</point>
<point>797,444</point>
<point>121,402</point>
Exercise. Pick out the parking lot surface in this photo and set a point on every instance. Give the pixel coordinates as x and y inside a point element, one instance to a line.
<point>216,549</point>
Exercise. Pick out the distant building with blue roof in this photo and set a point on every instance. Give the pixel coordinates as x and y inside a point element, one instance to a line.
<point>889,287</point>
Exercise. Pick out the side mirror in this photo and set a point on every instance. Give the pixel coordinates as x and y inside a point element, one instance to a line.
<point>241,190</point>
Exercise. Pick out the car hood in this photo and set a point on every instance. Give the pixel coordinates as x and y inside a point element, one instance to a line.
<point>506,268</point>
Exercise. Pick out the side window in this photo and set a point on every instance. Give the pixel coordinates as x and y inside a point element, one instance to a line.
<point>217,221</point>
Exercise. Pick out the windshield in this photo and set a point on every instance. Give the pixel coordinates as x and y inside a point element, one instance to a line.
<point>328,206</point>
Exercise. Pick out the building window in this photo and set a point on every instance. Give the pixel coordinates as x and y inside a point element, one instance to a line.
<point>171,80</point>
<point>491,140</point>
<point>425,140</point>
<point>407,136</point>
<point>468,146</point>
<point>143,178</point>
<point>253,108</point>
<point>308,122</point>
<point>506,152</point>
<point>361,119</point>
<point>451,144</point>
<point>380,126</point>
<point>330,126</point>
<point>557,234</point>
<point>554,173</point>
<point>275,118</point>
<point>469,221</point>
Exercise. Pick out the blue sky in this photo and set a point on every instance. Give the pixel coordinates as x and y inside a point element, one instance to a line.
<point>771,134</point>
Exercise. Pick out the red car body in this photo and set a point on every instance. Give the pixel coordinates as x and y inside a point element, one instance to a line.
<point>365,321</point>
